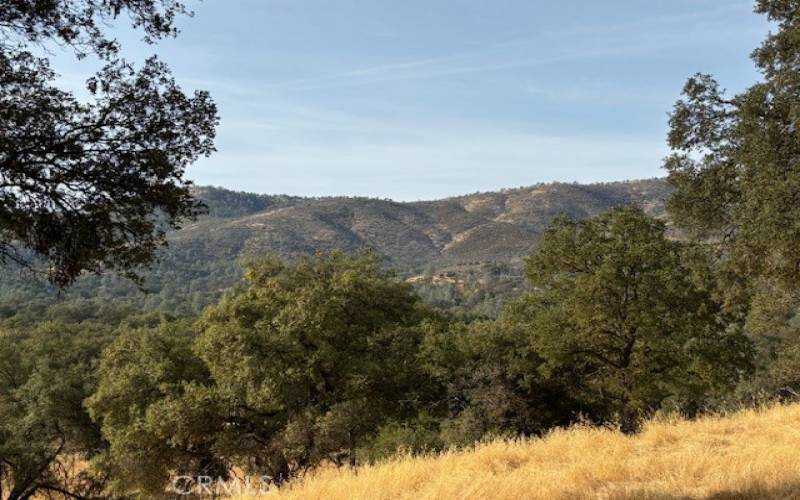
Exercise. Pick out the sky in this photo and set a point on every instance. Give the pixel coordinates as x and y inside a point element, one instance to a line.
<point>422,99</point>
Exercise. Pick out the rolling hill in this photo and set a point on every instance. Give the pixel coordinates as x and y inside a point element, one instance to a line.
<point>497,226</point>
<point>451,248</point>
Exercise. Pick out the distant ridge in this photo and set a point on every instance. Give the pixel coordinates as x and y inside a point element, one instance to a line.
<point>500,225</point>
<point>462,252</point>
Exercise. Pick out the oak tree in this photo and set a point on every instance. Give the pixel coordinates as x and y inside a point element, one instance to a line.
<point>735,165</point>
<point>615,311</point>
<point>92,184</point>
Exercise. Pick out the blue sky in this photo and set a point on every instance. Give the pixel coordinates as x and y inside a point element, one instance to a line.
<point>420,99</point>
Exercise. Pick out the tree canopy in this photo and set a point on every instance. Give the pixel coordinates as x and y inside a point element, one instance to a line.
<point>302,365</point>
<point>88,185</point>
<point>44,429</point>
<point>734,166</point>
<point>614,309</point>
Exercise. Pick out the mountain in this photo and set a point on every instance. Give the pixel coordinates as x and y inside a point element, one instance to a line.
<point>451,248</point>
<point>497,226</point>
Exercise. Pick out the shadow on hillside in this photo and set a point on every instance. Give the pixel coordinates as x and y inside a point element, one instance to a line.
<point>789,491</point>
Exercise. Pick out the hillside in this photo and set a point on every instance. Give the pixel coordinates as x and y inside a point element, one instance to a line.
<point>461,252</point>
<point>751,455</point>
<point>496,226</point>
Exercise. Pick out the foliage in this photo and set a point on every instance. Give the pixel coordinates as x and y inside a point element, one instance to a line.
<point>341,338</point>
<point>737,182</point>
<point>415,436</point>
<point>91,185</point>
<point>44,377</point>
<point>80,24</point>
<point>735,167</point>
<point>615,310</point>
<point>224,203</point>
<point>471,290</point>
<point>332,358</point>
<point>302,365</point>
<point>490,372</point>
<point>144,371</point>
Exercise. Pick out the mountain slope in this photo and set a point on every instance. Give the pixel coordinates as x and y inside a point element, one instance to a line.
<point>473,243</point>
<point>485,226</point>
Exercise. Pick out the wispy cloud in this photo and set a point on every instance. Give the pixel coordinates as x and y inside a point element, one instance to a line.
<point>306,108</point>
<point>572,43</point>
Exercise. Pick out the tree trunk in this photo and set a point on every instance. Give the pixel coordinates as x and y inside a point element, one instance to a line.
<point>352,445</point>
<point>629,420</point>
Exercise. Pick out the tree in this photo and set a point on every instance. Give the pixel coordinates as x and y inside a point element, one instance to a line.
<point>44,428</point>
<point>324,351</point>
<point>735,169</point>
<point>490,372</point>
<point>304,364</point>
<point>615,310</point>
<point>146,369</point>
<point>92,185</point>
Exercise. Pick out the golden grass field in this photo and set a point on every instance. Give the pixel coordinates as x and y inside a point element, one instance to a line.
<point>754,454</point>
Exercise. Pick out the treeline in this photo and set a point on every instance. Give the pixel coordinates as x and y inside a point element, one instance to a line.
<point>181,286</point>
<point>332,359</point>
<point>220,202</point>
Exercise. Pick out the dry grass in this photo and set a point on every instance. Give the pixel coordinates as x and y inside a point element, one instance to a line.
<point>748,455</point>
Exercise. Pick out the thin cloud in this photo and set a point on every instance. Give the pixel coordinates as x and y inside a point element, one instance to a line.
<point>636,38</point>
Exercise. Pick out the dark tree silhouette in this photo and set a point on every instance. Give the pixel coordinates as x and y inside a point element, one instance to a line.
<point>90,186</point>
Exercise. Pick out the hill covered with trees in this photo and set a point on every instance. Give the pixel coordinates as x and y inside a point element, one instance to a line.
<point>462,253</point>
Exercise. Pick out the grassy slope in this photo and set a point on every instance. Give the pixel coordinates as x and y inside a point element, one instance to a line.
<point>749,455</point>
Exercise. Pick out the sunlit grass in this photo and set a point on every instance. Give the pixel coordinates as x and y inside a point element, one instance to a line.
<point>753,454</point>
